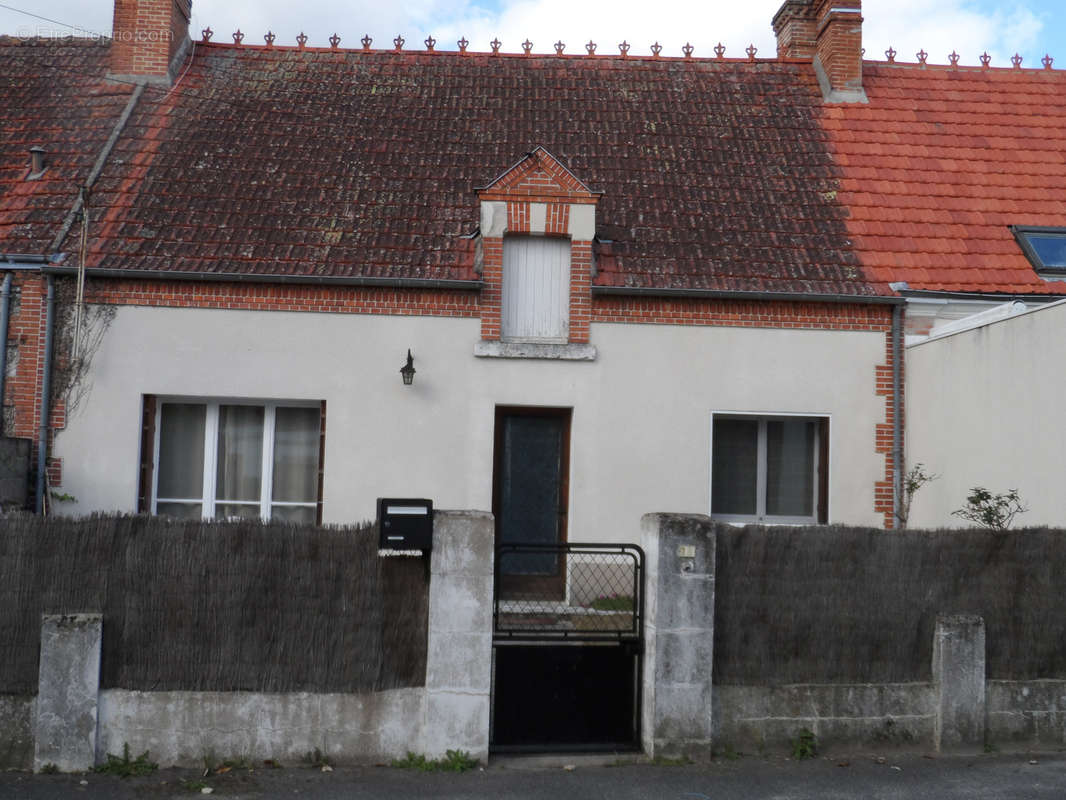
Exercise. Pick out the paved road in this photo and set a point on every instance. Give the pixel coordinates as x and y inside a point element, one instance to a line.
<point>907,777</point>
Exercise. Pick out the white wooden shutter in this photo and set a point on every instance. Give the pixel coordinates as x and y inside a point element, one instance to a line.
<point>536,289</point>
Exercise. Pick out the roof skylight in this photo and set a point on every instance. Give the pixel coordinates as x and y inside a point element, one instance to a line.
<point>1044,247</point>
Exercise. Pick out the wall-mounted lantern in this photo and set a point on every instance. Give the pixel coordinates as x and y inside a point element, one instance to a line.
<point>408,369</point>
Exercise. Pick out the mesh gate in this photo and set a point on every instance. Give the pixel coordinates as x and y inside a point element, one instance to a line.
<point>568,623</point>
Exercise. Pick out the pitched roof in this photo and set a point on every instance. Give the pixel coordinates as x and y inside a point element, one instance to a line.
<point>941,162</point>
<point>52,94</point>
<point>715,174</point>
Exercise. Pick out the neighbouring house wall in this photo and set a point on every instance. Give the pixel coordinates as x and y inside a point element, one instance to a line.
<point>982,411</point>
<point>641,411</point>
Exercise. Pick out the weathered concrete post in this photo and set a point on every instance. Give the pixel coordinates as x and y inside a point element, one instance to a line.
<point>959,679</point>
<point>679,634</point>
<point>459,658</point>
<point>67,691</point>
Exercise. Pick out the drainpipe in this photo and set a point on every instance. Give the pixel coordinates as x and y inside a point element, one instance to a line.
<point>46,390</point>
<point>897,414</point>
<point>5,306</point>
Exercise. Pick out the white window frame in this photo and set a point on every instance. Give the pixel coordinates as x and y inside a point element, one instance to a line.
<point>212,404</point>
<point>760,515</point>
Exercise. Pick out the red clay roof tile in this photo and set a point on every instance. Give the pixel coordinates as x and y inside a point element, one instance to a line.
<point>715,174</point>
<point>969,153</point>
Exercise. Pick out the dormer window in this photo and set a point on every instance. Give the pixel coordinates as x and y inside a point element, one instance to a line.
<point>537,225</point>
<point>1044,247</point>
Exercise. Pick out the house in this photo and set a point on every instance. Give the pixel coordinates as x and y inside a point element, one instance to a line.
<point>624,283</point>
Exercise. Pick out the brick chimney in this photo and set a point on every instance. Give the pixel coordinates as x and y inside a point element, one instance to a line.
<point>794,27</point>
<point>829,32</point>
<point>149,37</point>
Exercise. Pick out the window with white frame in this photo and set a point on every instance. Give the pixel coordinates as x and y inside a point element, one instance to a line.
<point>225,459</point>
<point>769,468</point>
<point>535,306</point>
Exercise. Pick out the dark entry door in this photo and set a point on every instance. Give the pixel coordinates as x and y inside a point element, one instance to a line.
<point>531,486</point>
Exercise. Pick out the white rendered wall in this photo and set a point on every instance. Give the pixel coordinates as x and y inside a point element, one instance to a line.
<point>640,438</point>
<point>983,409</point>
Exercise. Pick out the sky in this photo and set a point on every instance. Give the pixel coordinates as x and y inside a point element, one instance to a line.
<point>970,27</point>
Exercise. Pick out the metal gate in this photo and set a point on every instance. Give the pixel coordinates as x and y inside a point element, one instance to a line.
<point>568,638</point>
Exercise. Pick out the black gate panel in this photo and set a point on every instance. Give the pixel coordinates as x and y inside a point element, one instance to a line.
<point>567,647</point>
<point>565,697</point>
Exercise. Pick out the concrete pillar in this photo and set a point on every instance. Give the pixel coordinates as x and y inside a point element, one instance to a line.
<point>959,679</point>
<point>679,635</point>
<point>459,658</point>
<point>67,691</point>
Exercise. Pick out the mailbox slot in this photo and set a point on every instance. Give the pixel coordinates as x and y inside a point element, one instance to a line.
<point>405,523</point>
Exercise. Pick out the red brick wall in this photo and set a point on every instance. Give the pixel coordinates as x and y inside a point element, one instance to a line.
<point>839,45</point>
<point>279,297</point>
<point>22,388</point>
<point>146,34</point>
<point>741,313</point>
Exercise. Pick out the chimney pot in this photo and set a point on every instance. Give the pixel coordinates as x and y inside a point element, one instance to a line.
<point>36,160</point>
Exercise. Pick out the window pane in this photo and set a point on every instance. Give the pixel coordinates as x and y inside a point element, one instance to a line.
<point>734,466</point>
<point>302,515</point>
<point>241,510</point>
<point>296,433</point>
<point>180,510</point>
<point>790,468</point>
<point>181,451</point>
<point>240,453</point>
<point>1050,248</point>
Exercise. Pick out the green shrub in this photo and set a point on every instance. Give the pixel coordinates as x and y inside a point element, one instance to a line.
<point>453,761</point>
<point>805,745</point>
<point>614,602</point>
<point>124,767</point>
<point>993,511</point>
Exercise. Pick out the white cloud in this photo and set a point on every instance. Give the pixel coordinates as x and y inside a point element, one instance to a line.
<point>942,26</point>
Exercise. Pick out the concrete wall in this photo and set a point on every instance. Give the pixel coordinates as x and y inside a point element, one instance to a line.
<point>679,553</point>
<point>17,716</point>
<point>753,719</point>
<point>1027,714</point>
<point>641,410</point>
<point>982,410</point>
<point>72,723</point>
<point>181,728</point>
<point>1018,715</point>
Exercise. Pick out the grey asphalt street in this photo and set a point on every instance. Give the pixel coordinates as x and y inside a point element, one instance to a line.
<point>986,777</point>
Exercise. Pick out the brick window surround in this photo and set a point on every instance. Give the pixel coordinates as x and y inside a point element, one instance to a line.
<point>538,196</point>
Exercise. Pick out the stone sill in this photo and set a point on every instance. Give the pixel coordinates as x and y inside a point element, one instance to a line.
<point>551,352</point>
